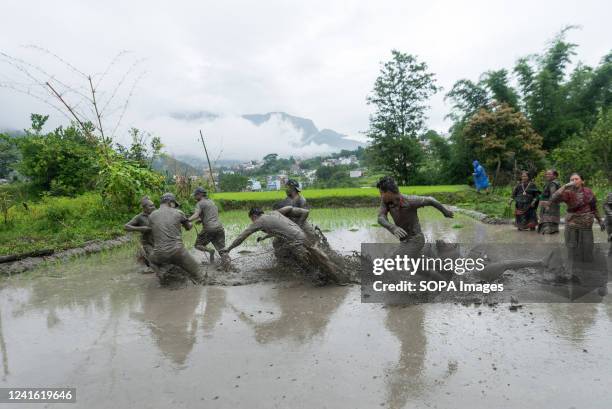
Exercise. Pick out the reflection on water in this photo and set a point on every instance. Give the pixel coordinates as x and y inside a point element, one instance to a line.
<point>95,323</point>
<point>405,380</point>
<point>170,316</point>
<point>301,317</point>
<point>215,304</point>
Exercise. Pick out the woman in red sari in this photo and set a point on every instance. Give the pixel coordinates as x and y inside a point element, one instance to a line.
<point>581,212</point>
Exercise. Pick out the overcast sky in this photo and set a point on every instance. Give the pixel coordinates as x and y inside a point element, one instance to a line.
<point>315,59</point>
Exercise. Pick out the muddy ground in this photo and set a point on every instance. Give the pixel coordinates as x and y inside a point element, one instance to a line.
<point>96,323</point>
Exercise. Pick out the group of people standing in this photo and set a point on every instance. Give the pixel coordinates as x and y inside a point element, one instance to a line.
<point>581,204</point>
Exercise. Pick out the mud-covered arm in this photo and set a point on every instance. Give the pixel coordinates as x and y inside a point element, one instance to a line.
<point>134,225</point>
<point>300,214</point>
<point>196,213</point>
<point>383,219</point>
<point>185,222</point>
<point>266,237</point>
<point>421,201</point>
<point>252,228</point>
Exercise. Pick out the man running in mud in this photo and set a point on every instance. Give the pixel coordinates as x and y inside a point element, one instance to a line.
<point>140,223</point>
<point>294,241</point>
<point>212,230</point>
<point>166,223</point>
<point>403,210</point>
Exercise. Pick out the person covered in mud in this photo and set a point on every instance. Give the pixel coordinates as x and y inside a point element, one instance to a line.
<point>294,197</point>
<point>295,244</point>
<point>295,200</point>
<point>212,230</point>
<point>299,216</point>
<point>403,209</point>
<point>166,223</point>
<point>550,213</point>
<point>581,212</point>
<point>526,197</point>
<point>140,223</point>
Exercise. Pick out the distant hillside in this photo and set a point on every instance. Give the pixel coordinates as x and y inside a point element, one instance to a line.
<point>166,163</point>
<point>311,134</point>
<point>200,162</point>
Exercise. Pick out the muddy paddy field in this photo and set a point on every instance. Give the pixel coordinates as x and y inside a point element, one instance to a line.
<point>96,323</point>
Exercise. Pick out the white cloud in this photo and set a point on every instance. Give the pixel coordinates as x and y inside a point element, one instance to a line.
<point>315,59</point>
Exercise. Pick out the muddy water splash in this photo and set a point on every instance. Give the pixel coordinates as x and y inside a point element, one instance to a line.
<point>99,325</point>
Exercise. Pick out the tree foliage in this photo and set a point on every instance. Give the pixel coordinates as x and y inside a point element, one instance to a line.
<point>9,155</point>
<point>560,105</point>
<point>503,139</point>
<point>63,162</point>
<point>143,149</point>
<point>590,155</point>
<point>333,176</point>
<point>123,182</point>
<point>399,97</point>
<point>232,182</point>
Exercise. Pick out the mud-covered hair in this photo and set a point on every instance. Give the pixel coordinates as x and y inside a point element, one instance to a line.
<point>294,184</point>
<point>145,200</point>
<point>255,211</point>
<point>387,184</point>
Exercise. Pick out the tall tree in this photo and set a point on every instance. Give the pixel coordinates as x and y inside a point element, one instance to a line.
<point>543,92</point>
<point>498,84</point>
<point>400,97</point>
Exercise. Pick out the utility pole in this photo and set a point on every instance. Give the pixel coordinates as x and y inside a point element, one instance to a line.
<point>212,178</point>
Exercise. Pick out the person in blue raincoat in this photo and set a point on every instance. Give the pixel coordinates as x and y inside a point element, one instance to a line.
<point>480,177</point>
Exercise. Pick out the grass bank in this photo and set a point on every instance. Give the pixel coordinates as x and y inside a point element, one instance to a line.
<point>340,197</point>
<point>59,223</point>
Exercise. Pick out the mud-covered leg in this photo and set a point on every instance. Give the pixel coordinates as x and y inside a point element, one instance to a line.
<point>327,266</point>
<point>219,242</point>
<point>201,244</point>
<point>184,260</point>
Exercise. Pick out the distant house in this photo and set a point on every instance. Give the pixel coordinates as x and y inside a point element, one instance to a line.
<point>356,173</point>
<point>254,185</point>
<point>329,162</point>
<point>310,176</point>
<point>274,184</point>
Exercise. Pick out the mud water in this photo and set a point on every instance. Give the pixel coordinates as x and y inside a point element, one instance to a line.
<point>96,323</point>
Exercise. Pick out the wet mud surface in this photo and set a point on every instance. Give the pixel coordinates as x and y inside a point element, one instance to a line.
<point>96,323</point>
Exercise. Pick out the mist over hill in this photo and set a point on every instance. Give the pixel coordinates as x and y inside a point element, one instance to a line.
<point>310,133</point>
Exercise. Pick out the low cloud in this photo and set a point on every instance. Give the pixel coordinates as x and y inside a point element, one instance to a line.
<point>233,137</point>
